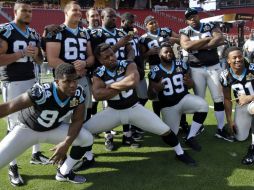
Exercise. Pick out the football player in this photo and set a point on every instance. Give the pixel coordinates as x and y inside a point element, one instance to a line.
<point>119,41</point>
<point>201,41</point>
<point>127,26</point>
<point>169,81</point>
<point>72,45</point>
<point>43,110</point>
<point>115,81</point>
<point>19,50</point>
<point>149,46</point>
<point>240,78</point>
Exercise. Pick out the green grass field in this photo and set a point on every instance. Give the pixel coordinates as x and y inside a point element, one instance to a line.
<point>151,167</point>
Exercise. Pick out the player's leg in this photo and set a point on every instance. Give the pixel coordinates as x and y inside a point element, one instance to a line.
<point>104,121</point>
<point>198,106</point>
<point>217,96</point>
<point>199,78</point>
<point>171,116</point>
<point>249,157</point>
<point>14,144</point>
<point>85,84</point>
<point>148,121</point>
<point>242,121</point>
<point>80,145</point>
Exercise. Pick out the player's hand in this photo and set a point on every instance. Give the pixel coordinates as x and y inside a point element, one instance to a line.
<point>187,80</point>
<point>232,128</point>
<point>124,40</point>
<point>59,155</point>
<point>30,51</point>
<point>80,67</point>
<point>244,99</point>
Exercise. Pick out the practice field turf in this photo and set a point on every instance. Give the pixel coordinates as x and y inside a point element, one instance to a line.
<point>151,167</point>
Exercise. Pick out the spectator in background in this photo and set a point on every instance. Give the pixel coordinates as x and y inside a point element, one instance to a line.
<point>248,48</point>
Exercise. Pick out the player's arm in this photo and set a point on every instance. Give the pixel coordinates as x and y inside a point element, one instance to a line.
<point>121,43</point>
<point>130,52</point>
<point>228,106</point>
<point>61,149</point>
<point>175,38</point>
<point>217,39</point>
<point>130,80</point>
<point>154,88</point>
<point>21,102</point>
<point>187,80</point>
<point>53,51</point>
<point>189,45</point>
<point>100,90</point>
<point>6,59</point>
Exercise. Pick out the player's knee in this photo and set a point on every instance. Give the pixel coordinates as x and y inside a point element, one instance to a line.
<point>85,138</point>
<point>241,137</point>
<point>170,138</point>
<point>199,117</point>
<point>218,106</point>
<point>203,106</point>
<point>250,108</point>
<point>77,152</point>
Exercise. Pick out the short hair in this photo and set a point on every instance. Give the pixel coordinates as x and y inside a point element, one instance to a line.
<point>69,4</point>
<point>18,2</point>
<point>127,16</point>
<point>230,49</point>
<point>101,48</point>
<point>105,10</point>
<point>167,45</point>
<point>64,69</point>
<point>91,9</point>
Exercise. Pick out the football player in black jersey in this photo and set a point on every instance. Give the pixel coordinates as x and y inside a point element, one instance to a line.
<point>149,45</point>
<point>72,45</point>
<point>43,109</point>
<point>127,26</point>
<point>19,50</point>
<point>201,41</point>
<point>115,81</point>
<point>119,41</point>
<point>169,81</point>
<point>240,78</point>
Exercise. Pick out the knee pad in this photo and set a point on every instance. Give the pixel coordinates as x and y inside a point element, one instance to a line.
<point>250,108</point>
<point>218,106</point>
<point>77,152</point>
<point>171,139</point>
<point>199,117</point>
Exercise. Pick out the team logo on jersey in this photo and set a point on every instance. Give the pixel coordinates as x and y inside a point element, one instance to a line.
<point>250,76</point>
<point>179,69</point>
<point>82,34</point>
<point>74,102</point>
<point>207,27</point>
<point>120,71</point>
<point>163,33</point>
<point>120,34</point>
<point>32,36</point>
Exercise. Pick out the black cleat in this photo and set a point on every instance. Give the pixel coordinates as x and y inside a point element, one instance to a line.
<point>129,141</point>
<point>70,177</point>
<point>83,164</point>
<point>223,134</point>
<point>109,144</point>
<point>185,158</point>
<point>137,136</point>
<point>249,158</point>
<point>15,178</point>
<point>39,158</point>
<point>192,142</point>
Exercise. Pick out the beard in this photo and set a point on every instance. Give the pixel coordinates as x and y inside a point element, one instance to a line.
<point>166,60</point>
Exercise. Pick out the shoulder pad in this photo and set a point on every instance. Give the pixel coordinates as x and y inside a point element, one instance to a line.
<point>96,33</point>
<point>251,67</point>
<point>5,29</point>
<point>166,29</point>
<point>184,31</point>
<point>223,78</point>
<point>38,93</point>
<point>124,63</point>
<point>100,71</point>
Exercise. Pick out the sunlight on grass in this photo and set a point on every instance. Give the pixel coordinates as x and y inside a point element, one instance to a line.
<point>238,177</point>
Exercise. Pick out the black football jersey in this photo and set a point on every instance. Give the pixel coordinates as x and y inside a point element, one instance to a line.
<point>200,58</point>
<point>243,84</point>
<point>125,99</point>
<point>135,45</point>
<point>174,88</point>
<point>23,68</point>
<point>49,110</point>
<point>73,43</point>
<point>149,40</point>
<point>102,35</point>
